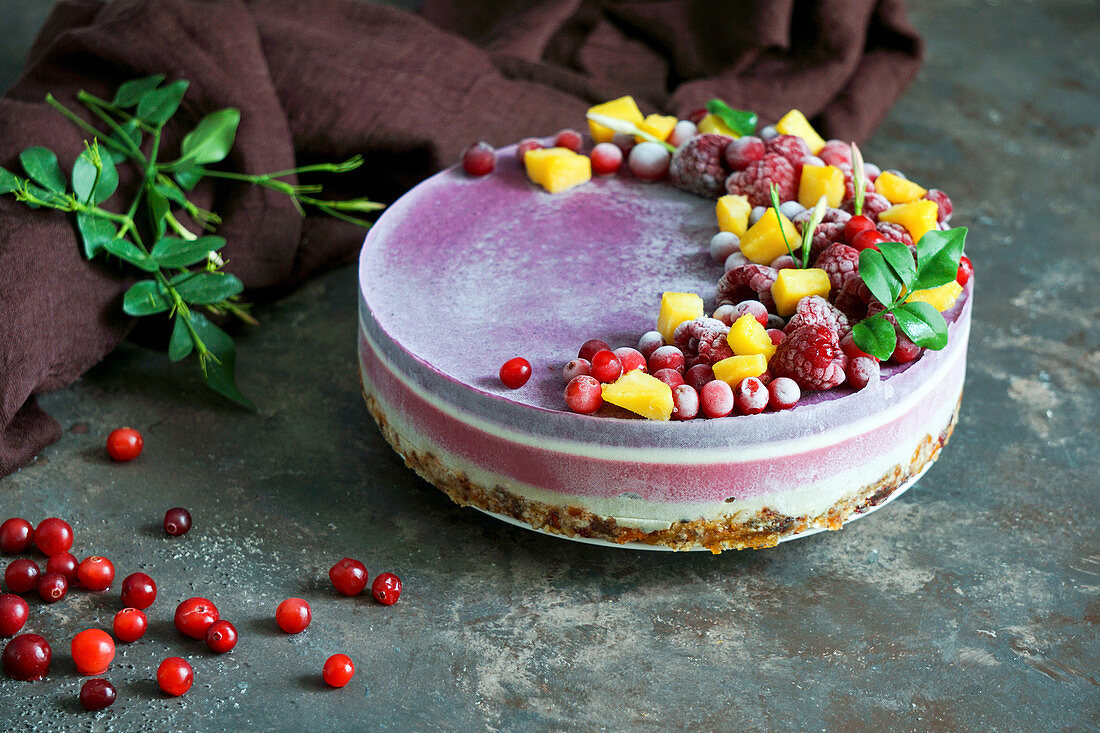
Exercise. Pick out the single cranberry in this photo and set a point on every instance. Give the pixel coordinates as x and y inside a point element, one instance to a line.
<point>64,563</point>
<point>584,395</point>
<point>751,396</point>
<point>16,535</point>
<point>649,342</point>
<point>589,348</point>
<point>905,351</point>
<point>666,357</point>
<point>52,587</point>
<point>576,368</point>
<point>515,372</point>
<point>479,159</point>
<point>21,576</point>
<point>569,139</point>
<point>868,239</point>
<point>685,402</point>
<point>526,145</point>
<point>27,657</point>
<point>53,536</point>
<point>698,376</point>
<point>124,444</point>
<point>338,670</point>
<point>861,371</point>
<point>684,131</point>
<point>783,393</point>
<point>95,573</point>
<point>194,616</point>
<point>944,207</point>
<point>13,614</point>
<point>755,308</point>
<point>130,624</point>
<point>175,676</point>
<point>221,637</point>
<point>386,589</point>
<point>97,694</point>
<point>606,367</point>
<point>649,161</point>
<point>631,359</point>
<point>293,615</point>
<point>607,158</point>
<point>962,277</point>
<point>177,521</point>
<point>349,576</point>
<point>783,262</point>
<point>855,225</point>
<point>671,377</point>
<point>138,591</point>
<point>716,398</point>
<point>93,650</point>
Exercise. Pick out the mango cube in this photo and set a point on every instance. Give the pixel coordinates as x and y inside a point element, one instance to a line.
<point>733,213</point>
<point>713,124</point>
<point>557,169</point>
<point>792,286</point>
<point>763,242</point>
<point>659,126</point>
<point>736,368</point>
<point>795,123</point>
<point>898,190</point>
<point>818,181</point>
<point>747,337</point>
<point>623,108</point>
<point>940,298</point>
<point>675,309</point>
<point>640,393</point>
<point>919,217</point>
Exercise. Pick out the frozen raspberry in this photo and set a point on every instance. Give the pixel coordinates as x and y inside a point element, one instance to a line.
<point>853,298</point>
<point>747,282</point>
<point>699,165</point>
<point>841,262</point>
<point>811,356</point>
<point>685,402</point>
<point>895,233</point>
<point>703,338</point>
<point>944,207</point>
<point>791,147</point>
<point>751,396</point>
<point>861,371</point>
<point>744,150</point>
<point>783,393</point>
<point>816,311</point>
<point>850,184</point>
<point>829,232</point>
<point>873,205</point>
<point>756,180</point>
<point>836,152</point>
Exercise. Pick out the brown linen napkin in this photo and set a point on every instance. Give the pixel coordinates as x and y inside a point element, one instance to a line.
<point>326,79</point>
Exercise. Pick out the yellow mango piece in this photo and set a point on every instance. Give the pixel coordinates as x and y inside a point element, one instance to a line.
<point>675,309</point>
<point>792,286</point>
<point>640,393</point>
<point>623,108</point>
<point>940,298</point>
<point>735,368</point>
<point>659,126</point>
<point>818,181</point>
<point>795,123</point>
<point>919,217</point>
<point>733,213</point>
<point>763,242</point>
<point>898,190</point>
<point>747,337</point>
<point>712,124</point>
<point>557,169</point>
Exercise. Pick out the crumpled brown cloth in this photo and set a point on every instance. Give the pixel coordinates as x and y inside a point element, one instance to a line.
<point>325,79</point>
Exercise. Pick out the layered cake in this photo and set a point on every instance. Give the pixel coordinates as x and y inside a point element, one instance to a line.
<point>466,271</point>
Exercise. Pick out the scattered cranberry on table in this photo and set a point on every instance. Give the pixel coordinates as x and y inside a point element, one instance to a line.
<point>124,444</point>
<point>95,573</point>
<point>21,576</point>
<point>53,536</point>
<point>479,159</point>
<point>16,535</point>
<point>293,615</point>
<point>349,576</point>
<point>177,521</point>
<point>130,624</point>
<point>92,650</point>
<point>194,616</point>
<point>138,591</point>
<point>13,614</point>
<point>64,563</point>
<point>27,657</point>
<point>515,372</point>
<point>97,694</point>
<point>386,589</point>
<point>52,587</point>
<point>221,637</point>
<point>175,676</point>
<point>338,670</point>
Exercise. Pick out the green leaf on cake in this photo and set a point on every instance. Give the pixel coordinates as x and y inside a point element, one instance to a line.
<point>875,336</point>
<point>938,256</point>
<point>922,323</point>
<point>878,277</point>
<point>738,120</point>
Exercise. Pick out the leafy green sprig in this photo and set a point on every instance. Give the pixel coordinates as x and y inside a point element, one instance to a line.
<point>184,268</point>
<point>738,120</point>
<point>802,260</point>
<point>626,127</point>
<point>859,180</point>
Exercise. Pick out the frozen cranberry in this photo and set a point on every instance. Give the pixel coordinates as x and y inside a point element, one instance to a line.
<point>943,203</point>
<point>754,308</point>
<point>848,346</point>
<point>21,576</point>
<point>221,637</point>
<point>590,347</point>
<point>97,694</point>
<point>631,359</point>
<point>293,615</point>
<point>27,658</point>
<point>962,277</point>
<point>744,150</point>
<point>338,670</point>
<point>776,336</point>
<point>666,357</point>
<point>576,368</point>
<point>722,245</point>
<point>175,676</point>
<point>138,591</point>
<point>526,145</point>
<point>515,372</point>
<point>348,576</point>
<point>649,161</point>
<point>386,589</point>
<point>685,402</point>
<point>194,616</point>
<point>53,536</point>
<point>751,396</point>
<point>177,521</point>
<point>479,159</point>
<point>855,225</point>
<point>52,587</point>
<point>735,260</point>
<point>649,342</point>
<point>783,262</point>
<point>16,535</point>
<point>64,563</point>
<point>905,351</point>
<point>698,375</point>
<point>606,367</point>
<point>95,573</point>
<point>716,398</point>
<point>861,371</point>
<point>783,393</point>
<point>13,614</point>
<point>583,394</point>
<point>124,444</point>
<point>130,624</point>
<point>93,650</point>
<point>682,132</point>
<point>607,158</point>
<point>868,239</point>
<point>671,377</point>
<point>569,139</point>
<point>624,142</point>
<point>724,313</point>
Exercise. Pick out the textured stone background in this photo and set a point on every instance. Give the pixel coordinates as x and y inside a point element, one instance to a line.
<point>971,603</point>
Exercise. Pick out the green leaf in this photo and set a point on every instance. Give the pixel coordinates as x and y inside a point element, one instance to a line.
<point>938,256</point>
<point>41,165</point>
<point>171,193</point>
<point>922,323</point>
<point>878,277</point>
<point>188,175</point>
<point>158,106</point>
<point>132,92</point>
<point>55,197</point>
<point>8,181</point>
<point>740,121</point>
<point>212,138</point>
<point>176,252</point>
<point>95,232</point>
<point>145,298</point>
<point>126,250</point>
<point>206,288</point>
<point>219,371</point>
<point>875,336</point>
<point>900,259</point>
<point>84,178</point>
<point>158,210</point>
<point>181,344</point>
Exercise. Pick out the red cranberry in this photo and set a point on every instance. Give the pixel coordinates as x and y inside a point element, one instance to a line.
<point>685,402</point>
<point>696,116</point>
<point>95,573</point>
<point>526,145</point>
<point>515,372</point>
<point>631,359</point>
<point>21,576</point>
<point>177,521</point>
<point>569,139</point>
<point>751,396</point>
<point>293,615</point>
<point>681,133</point>
<point>776,335</point>
<point>743,151</point>
<point>861,371</point>
<point>576,368</point>
<point>868,239</point>
<point>590,347</point>
<point>64,563</point>
<point>666,357</point>
<point>124,444</point>
<point>97,694</point>
<point>348,576</point>
<point>16,535</point>
<point>698,376</point>
<point>175,676</point>
<point>93,650</point>
<point>716,398</point>
<point>606,367</point>
<point>194,616</point>
<point>13,614</point>
<point>607,158</point>
<point>649,342</point>
<point>386,589</point>
<point>783,393</point>
<point>583,394</point>
<point>905,351</point>
<point>479,159</point>
<point>338,670</point>
<point>130,624</point>
<point>671,377</point>
<point>944,207</point>
<point>755,308</point>
<point>138,591</point>
<point>27,657</point>
<point>221,637</point>
<point>649,161</point>
<point>855,225</point>
<point>52,587</point>
<point>53,536</point>
<point>962,277</point>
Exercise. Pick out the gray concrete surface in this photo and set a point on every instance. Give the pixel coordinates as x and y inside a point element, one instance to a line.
<point>971,604</point>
